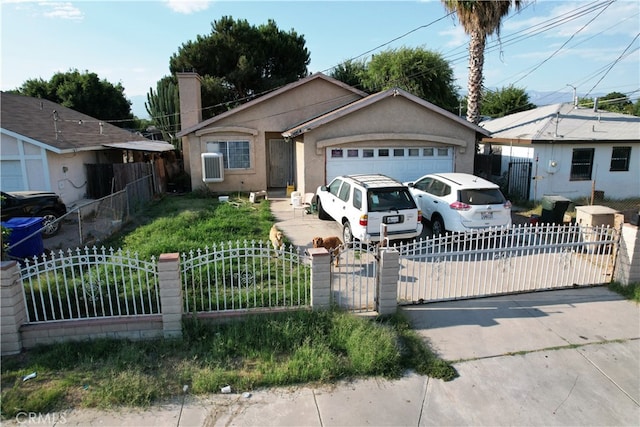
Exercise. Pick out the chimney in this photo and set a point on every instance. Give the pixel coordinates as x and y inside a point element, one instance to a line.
<point>190,99</point>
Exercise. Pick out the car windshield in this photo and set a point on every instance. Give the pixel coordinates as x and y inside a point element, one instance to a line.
<point>390,199</point>
<point>485,196</point>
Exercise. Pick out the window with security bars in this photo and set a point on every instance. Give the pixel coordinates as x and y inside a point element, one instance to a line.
<point>235,153</point>
<point>582,164</point>
<point>620,159</point>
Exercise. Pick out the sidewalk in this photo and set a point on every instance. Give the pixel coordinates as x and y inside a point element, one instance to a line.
<point>565,358</point>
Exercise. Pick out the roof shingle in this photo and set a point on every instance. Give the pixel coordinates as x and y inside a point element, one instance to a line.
<point>60,128</point>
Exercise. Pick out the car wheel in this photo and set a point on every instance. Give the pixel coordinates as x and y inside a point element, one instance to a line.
<point>347,235</point>
<point>437,226</point>
<point>50,223</point>
<point>321,212</point>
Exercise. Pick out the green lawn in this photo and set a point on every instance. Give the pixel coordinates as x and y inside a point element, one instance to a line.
<point>262,350</point>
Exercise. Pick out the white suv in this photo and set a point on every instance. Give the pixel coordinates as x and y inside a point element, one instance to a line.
<point>361,203</point>
<point>460,202</point>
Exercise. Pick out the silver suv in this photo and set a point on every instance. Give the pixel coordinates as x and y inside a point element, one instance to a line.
<point>460,202</point>
<point>362,203</point>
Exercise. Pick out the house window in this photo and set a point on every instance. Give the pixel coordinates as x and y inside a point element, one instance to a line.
<point>398,152</point>
<point>383,152</point>
<point>581,164</point>
<point>235,154</point>
<point>414,152</point>
<point>443,151</point>
<point>336,153</point>
<point>427,152</point>
<point>620,159</point>
<point>367,152</point>
<point>352,153</point>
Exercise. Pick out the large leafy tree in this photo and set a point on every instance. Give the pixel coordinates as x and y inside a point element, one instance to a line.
<point>84,92</point>
<point>505,101</point>
<point>351,72</point>
<point>421,72</point>
<point>479,18</point>
<point>616,102</point>
<point>239,61</point>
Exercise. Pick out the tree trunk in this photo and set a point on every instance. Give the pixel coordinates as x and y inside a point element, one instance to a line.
<point>476,62</point>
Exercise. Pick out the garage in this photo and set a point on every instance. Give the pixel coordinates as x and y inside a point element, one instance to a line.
<point>403,164</point>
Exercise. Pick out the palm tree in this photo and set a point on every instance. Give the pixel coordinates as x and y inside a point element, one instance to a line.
<point>480,18</point>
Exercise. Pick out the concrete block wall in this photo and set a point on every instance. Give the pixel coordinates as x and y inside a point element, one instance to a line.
<point>17,334</point>
<point>131,327</point>
<point>387,293</point>
<point>628,262</point>
<point>13,312</point>
<point>320,278</point>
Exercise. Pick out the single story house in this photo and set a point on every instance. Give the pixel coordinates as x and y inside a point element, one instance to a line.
<point>46,146</point>
<point>308,132</point>
<point>568,151</point>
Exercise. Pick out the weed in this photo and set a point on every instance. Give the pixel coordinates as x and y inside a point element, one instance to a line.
<point>259,351</point>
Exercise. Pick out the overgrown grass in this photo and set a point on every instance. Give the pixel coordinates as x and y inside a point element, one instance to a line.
<point>191,221</point>
<point>630,291</point>
<point>260,351</point>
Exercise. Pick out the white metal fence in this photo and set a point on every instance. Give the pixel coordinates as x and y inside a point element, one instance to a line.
<point>247,275</point>
<point>354,277</point>
<point>89,283</point>
<point>518,259</point>
<point>94,283</point>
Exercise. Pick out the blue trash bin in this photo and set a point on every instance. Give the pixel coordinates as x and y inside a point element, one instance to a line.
<point>24,229</point>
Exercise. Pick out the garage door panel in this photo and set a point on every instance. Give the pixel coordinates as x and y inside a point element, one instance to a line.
<point>403,164</point>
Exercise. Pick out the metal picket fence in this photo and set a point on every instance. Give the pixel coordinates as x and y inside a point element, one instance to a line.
<point>519,259</point>
<point>244,275</point>
<point>89,283</point>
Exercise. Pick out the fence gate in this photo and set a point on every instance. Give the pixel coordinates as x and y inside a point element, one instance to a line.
<point>519,259</point>
<point>353,278</point>
<point>519,180</point>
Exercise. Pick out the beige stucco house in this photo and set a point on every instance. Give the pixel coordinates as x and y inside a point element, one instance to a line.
<point>310,131</point>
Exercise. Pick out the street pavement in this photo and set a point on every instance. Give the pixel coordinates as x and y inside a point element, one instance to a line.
<point>561,358</point>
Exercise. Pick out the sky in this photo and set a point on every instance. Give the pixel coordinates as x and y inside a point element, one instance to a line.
<point>549,48</point>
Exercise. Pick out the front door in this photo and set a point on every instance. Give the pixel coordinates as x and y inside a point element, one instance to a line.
<point>281,161</point>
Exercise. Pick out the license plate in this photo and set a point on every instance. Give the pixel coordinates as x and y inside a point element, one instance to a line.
<point>396,219</point>
<point>486,215</point>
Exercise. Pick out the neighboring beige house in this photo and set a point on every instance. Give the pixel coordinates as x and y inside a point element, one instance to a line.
<point>562,149</point>
<point>45,146</point>
<point>310,131</point>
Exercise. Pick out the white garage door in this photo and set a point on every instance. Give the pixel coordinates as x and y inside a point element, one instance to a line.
<point>403,164</point>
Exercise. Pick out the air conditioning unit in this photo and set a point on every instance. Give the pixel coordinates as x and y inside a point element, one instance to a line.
<point>212,167</point>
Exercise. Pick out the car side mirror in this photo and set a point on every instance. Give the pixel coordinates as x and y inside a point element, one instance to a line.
<point>324,188</point>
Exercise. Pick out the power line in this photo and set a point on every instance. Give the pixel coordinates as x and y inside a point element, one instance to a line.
<point>564,44</point>
<point>614,63</point>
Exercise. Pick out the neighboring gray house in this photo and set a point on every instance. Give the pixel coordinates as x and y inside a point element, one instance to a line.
<point>311,130</point>
<point>568,151</point>
<point>45,146</point>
